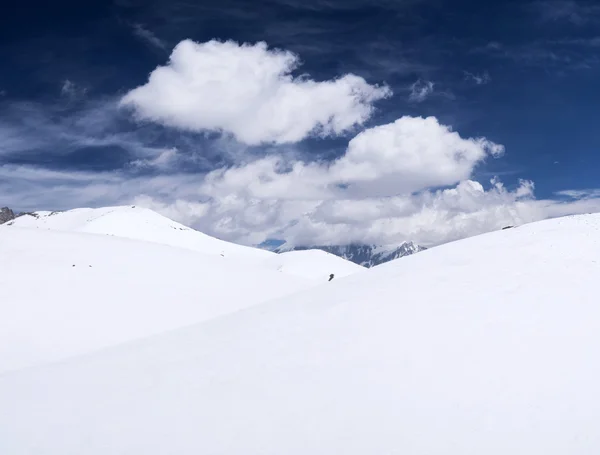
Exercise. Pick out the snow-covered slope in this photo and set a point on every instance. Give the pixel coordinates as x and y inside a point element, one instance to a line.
<point>137,223</point>
<point>312,264</point>
<point>484,346</point>
<point>143,224</point>
<point>64,293</point>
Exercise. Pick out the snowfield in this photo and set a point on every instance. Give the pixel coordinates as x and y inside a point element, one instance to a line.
<point>312,263</point>
<point>483,346</point>
<point>139,223</point>
<point>66,293</point>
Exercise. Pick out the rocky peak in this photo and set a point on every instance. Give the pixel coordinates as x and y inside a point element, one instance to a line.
<point>6,215</point>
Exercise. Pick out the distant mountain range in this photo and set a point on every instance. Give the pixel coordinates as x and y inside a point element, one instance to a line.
<point>365,255</point>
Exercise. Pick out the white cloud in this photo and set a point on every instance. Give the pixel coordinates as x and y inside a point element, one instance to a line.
<point>249,92</point>
<point>420,90</point>
<point>403,157</point>
<point>28,188</point>
<point>408,180</point>
<point>591,193</point>
<point>162,160</point>
<point>71,90</point>
<point>148,36</point>
<point>479,79</point>
<point>377,192</point>
<point>429,217</point>
<point>409,155</point>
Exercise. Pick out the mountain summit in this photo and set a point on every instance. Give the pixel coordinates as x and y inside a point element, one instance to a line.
<point>365,255</point>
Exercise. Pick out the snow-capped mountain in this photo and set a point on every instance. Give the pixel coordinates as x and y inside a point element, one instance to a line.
<point>365,255</point>
<point>121,273</point>
<point>487,345</point>
<point>138,223</point>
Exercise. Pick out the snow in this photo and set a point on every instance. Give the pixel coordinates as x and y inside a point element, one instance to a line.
<point>134,222</point>
<point>64,293</point>
<point>482,346</point>
<point>140,224</point>
<point>312,264</point>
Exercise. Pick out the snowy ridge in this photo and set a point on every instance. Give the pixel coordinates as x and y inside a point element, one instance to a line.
<point>483,346</point>
<point>364,255</point>
<point>136,223</point>
<point>143,224</point>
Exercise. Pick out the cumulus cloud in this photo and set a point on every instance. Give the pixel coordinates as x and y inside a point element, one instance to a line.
<point>378,192</point>
<point>407,180</point>
<point>409,155</point>
<point>429,217</point>
<point>380,182</point>
<point>420,91</point>
<point>249,91</point>
<point>406,156</point>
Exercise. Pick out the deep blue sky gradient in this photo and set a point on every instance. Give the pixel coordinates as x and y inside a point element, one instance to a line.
<point>541,101</point>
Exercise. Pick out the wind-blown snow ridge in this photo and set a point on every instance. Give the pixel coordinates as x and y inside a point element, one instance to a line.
<point>484,346</point>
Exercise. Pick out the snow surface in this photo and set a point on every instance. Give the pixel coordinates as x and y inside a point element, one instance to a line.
<point>139,223</point>
<point>483,346</point>
<point>66,293</point>
<point>313,264</point>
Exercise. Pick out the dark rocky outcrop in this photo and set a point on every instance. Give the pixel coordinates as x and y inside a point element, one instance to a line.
<point>6,215</point>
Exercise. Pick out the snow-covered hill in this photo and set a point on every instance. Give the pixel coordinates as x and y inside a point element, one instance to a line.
<point>364,255</point>
<point>63,293</point>
<point>136,223</point>
<point>312,263</point>
<point>483,346</point>
<point>143,224</point>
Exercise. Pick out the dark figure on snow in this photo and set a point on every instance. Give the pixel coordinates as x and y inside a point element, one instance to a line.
<point>331,277</point>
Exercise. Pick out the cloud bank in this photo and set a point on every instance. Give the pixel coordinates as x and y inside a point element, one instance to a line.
<point>403,157</point>
<point>249,91</point>
<point>410,179</point>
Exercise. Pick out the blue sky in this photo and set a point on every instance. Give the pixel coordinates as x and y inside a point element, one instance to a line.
<point>520,74</point>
